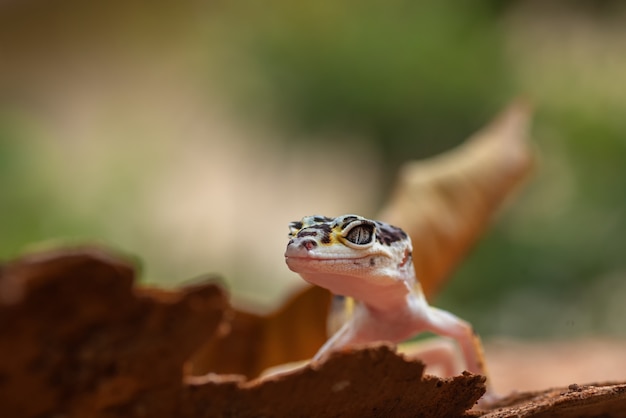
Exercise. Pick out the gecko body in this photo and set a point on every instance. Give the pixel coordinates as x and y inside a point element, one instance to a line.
<point>371,262</point>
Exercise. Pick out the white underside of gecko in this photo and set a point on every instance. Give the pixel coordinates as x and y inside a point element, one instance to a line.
<point>371,262</point>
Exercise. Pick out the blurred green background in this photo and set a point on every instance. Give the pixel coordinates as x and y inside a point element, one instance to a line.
<point>190,133</point>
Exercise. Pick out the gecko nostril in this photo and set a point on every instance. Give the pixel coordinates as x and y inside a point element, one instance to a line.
<point>309,244</point>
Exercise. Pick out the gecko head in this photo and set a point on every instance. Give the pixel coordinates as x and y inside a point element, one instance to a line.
<point>349,254</point>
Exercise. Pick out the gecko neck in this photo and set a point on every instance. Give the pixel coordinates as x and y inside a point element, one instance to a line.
<point>399,291</point>
<point>389,299</point>
<point>388,293</point>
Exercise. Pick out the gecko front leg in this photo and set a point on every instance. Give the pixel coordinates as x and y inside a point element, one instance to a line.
<point>444,323</point>
<point>339,339</point>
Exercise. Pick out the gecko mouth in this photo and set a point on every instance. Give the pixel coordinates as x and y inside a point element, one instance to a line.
<point>374,259</point>
<point>301,264</point>
<point>291,257</point>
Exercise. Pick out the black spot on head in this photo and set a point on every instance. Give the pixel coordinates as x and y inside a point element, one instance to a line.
<point>325,230</point>
<point>315,231</point>
<point>322,219</point>
<point>372,261</point>
<point>347,221</point>
<point>323,227</point>
<point>388,234</point>
<point>307,233</point>
<point>296,225</point>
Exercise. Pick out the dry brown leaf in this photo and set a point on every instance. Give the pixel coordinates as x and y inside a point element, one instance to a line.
<point>253,342</point>
<point>445,203</point>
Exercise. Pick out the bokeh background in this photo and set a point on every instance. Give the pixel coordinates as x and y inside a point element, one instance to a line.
<point>190,133</point>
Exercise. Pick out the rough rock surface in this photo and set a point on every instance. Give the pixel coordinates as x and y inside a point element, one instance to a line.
<point>370,382</point>
<point>597,400</point>
<point>76,339</point>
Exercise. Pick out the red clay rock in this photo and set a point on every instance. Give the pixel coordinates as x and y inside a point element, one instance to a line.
<point>368,382</point>
<point>77,340</point>
<point>597,400</point>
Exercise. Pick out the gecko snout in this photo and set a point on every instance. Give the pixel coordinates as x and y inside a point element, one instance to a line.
<point>309,244</point>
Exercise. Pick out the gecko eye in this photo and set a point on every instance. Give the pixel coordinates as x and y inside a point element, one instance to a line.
<point>361,234</point>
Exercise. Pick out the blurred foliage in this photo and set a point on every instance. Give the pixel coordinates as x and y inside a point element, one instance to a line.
<point>31,216</point>
<point>392,71</point>
<point>556,259</point>
<point>26,214</point>
<point>414,78</point>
